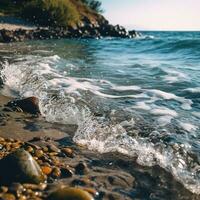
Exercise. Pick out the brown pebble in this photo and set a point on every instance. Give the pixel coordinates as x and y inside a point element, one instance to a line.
<point>91,191</point>
<point>53,153</point>
<point>30,186</point>
<point>15,145</point>
<point>56,172</point>
<point>42,186</point>
<point>46,170</point>
<point>8,196</point>
<point>40,162</point>
<point>69,193</point>
<point>29,149</point>
<point>22,197</point>
<point>55,160</point>
<point>38,153</point>
<point>53,148</point>
<point>3,189</point>
<point>81,168</point>
<point>45,149</point>
<point>68,152</point>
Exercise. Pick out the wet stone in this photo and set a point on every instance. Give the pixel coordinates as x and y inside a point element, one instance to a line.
<point>66,173</point>
<point>81,168</point>
<point>53,148</point>
<point>56,172</point>
<point>46,170</point>
<point>3,189</point>
<point>7,196</point>
<point>68,193</point>
<point>29,105</point>
<point>20,166</point>
<point>38,153</point>
<point>68,152</point>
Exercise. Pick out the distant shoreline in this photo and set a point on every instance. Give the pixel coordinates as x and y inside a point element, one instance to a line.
<point>15,30</point>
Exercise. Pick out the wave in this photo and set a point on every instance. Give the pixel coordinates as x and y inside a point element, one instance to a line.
<point>72,100</point>
<point>167,45</point>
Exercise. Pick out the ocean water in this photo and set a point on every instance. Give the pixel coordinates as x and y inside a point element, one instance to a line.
<point>139,97</point>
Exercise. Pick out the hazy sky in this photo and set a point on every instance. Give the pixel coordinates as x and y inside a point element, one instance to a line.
<point>154,14</point>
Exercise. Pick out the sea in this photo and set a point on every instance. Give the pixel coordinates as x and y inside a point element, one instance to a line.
<point>139,97</point>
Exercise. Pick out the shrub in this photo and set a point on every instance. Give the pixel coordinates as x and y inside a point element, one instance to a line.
<point>59,13</point>
<point>94,5</point>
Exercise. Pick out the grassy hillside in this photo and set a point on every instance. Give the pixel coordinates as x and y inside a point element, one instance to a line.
<point>59,13</point>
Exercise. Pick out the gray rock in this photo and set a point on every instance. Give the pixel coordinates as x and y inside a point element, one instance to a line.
<point>20,166</point>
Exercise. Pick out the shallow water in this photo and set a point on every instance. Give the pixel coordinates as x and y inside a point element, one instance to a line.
<point>139,97</point>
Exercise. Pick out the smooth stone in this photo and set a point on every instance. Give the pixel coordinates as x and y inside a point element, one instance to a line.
<point>81,168</point>
<point>20,166</point>
<point>7,196</point>
<point>56,172</point>
<point>53,148</point>
<point>68,152</point>
<point>69,193</point>
<point>46,170</point>
<point>29,105</point>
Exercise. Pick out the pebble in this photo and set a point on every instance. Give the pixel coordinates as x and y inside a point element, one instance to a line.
<point>56,172</point>
<point>69,193</point>
<point>29,149</point>
<point>3,189</point>
<point>66,173</point>
<point>46,170</point>
<point>81,168</point>
<point>38,153</point>
<point>68,152</point>
<point>8,196</point>
<point>53,148</point>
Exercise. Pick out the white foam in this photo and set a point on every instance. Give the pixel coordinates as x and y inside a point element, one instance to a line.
<point>185,103</point>
<point>193,90</point>
<point>171,79</point>
<point>164,111</point>
<point>175,76</point>
<point>113,138</point>
<point>126,88</point>
<point>196,114</point>
<point>164,120</point>
<point>188,126</point>
<point>142,106</point>
<point>162,94</point>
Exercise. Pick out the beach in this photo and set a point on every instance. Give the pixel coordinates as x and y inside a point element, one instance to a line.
<point>105,125</point>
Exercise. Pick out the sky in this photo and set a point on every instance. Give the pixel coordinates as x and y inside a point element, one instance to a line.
<point>154,14</point>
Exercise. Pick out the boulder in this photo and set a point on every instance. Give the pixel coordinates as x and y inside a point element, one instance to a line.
<point>132,33</point>
<point>29,105</point>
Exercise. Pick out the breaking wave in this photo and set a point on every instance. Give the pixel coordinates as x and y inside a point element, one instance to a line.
<point>147,128</point>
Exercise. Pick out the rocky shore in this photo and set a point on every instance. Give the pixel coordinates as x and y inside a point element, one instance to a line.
<point>88,30</point>
<point>35,164</point>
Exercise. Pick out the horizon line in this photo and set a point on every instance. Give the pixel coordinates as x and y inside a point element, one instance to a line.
<point>167,30</point>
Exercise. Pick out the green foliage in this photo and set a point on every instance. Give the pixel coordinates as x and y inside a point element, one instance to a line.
<point>94,5</point>
<point>60,13</point>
